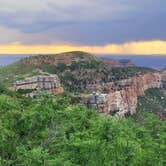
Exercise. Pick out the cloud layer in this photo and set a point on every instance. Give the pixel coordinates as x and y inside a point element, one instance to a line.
<point>78,22</point>
<point>140,48</point>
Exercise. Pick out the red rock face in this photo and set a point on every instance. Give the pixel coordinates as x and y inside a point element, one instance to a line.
<point>124,100</point>
<point>147,81</point>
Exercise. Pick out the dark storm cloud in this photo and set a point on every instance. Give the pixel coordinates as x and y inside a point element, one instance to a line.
<point>86,22</point>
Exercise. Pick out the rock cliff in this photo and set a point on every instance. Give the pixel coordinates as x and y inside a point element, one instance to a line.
<point>82,73</point>
<point>49,84</point>
<point>121,97</point>
<point>163,75</point>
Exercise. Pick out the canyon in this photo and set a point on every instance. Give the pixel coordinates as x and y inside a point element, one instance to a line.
<point>121,98</point>
<point>110,87</point>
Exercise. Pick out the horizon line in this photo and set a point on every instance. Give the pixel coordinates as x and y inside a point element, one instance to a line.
<point>155,47</point>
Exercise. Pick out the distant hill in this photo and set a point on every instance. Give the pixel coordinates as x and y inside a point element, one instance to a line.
<point>118,63</point>
<point>76,70</point>
<point>54,59</point>
<point>30,66</point>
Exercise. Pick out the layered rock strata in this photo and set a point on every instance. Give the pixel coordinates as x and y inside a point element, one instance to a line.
<point>49,84</point>
<point>121,97</point>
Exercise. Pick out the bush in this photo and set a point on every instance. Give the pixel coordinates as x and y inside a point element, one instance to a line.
<point>49,131</point>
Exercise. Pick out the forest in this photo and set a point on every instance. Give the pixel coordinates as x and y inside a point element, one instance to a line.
<point>50,131</point>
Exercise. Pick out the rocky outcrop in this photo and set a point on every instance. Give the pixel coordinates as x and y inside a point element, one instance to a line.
<point>163,75</point>
<point>49,84</point>
<point>121,96</point>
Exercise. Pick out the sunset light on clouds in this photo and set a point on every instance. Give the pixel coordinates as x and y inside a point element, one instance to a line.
<point>142,47</point>
<point>96,26</point>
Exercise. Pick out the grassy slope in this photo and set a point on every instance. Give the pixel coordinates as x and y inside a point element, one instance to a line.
<point>15,71</point>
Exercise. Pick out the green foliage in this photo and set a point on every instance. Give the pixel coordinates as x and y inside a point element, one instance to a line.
<point>55,69</point>
<point>164,86</point>
<point>85,65</point>
<point>61,67</point>
<point>154,101</point>
<point>76,76</point>
<point>16,71</point>
<point>2,89</point>
<point>123,73</point>
<point>25,91</point>
<point>48,131</point>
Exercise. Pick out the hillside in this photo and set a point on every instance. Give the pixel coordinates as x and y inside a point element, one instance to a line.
<point>32,65</point>
<point>75,69</point>
<point>82,74</point>
<point>153,102</point>
<point>52,130</point>
<point>54,59</point>
<point>34,133</point>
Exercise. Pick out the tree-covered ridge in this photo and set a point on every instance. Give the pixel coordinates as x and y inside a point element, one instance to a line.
<point>154,102</point>
<point>75,69</point>
<point>58,133</point>
<point>76,76</point>
<point>29,65</point>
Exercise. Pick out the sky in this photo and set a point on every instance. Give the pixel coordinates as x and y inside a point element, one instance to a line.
<point>96,26</point>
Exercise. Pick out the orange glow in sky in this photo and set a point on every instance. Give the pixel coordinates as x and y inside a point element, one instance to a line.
<point>139,47</point>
